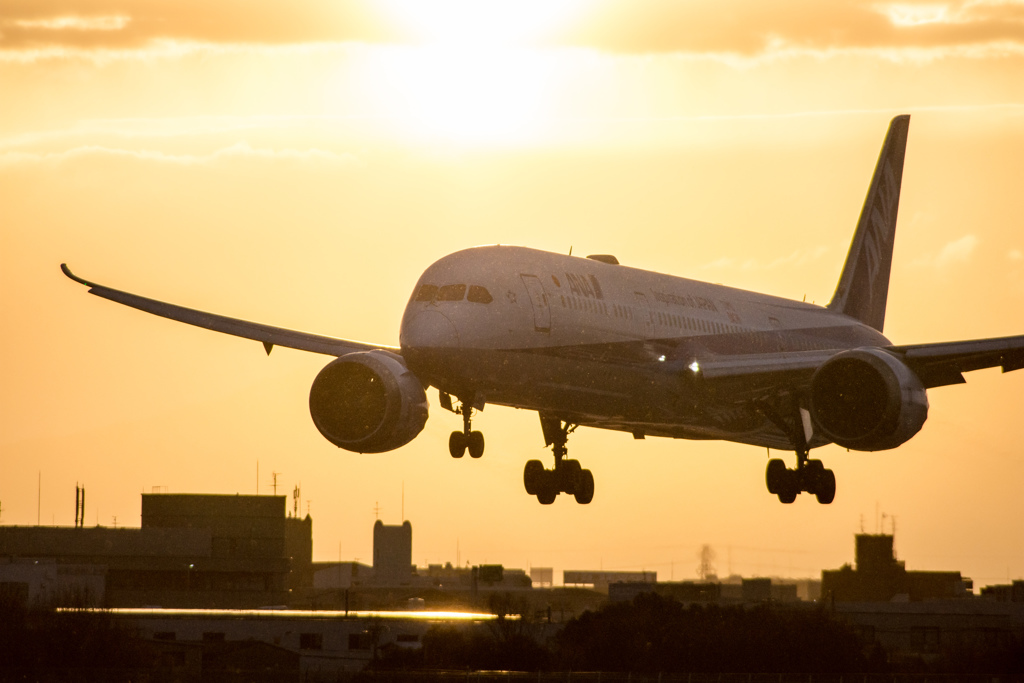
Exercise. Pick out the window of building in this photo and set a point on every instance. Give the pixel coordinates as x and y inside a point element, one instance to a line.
<point>359,641</point>
<point>311,641</point>
<point>426,293</point>
<point>452,293</point>
<point>479,295</point>
<point>407,638</point>
<point>924,639</point>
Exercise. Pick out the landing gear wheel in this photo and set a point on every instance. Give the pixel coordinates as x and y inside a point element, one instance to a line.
<point>826,487</point>
<point>789,487</point>
<point>467,439</point>
<point>457,444</point>
<point>533,476</point>
<point>475,444</point>
<point>569,475</point>
<point>584,487</point>
<point>775,475</point>
<point>548,490</point>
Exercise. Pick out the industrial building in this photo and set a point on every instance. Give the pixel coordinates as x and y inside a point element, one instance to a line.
<point>879,577</point>
<point>209,551</point>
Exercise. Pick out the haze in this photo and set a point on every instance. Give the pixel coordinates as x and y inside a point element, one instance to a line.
<point>301,163</point>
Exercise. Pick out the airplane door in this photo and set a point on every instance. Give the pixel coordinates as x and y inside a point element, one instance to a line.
<point>645,322</point>
<point>541,312</point>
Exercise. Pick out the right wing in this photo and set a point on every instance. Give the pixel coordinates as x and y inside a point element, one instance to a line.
<point>757,376</point>
<point>270,336</point>
<point>942,363</point>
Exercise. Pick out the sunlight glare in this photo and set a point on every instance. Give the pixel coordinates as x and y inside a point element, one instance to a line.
<point>462,94</point>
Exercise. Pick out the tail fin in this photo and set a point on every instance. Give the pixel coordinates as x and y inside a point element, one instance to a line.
<point>864,285</point>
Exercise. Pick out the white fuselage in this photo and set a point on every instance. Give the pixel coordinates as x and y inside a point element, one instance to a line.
<point>603,345</point>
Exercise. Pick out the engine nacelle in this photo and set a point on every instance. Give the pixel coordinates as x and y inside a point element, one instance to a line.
<point>867,400</point>
<point>368,402</point>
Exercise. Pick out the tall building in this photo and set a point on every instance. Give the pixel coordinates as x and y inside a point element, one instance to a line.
<point>392,554</point>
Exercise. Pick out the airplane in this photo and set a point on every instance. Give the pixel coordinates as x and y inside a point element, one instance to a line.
<point>590,342</point>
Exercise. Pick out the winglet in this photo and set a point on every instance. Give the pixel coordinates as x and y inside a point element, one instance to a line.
<point>67,271</point>
<point>864,285</point>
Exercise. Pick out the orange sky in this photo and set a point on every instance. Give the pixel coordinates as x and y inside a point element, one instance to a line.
<point>301,163</point>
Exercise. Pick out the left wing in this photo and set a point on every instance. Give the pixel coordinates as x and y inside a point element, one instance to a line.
<point>270,336</point>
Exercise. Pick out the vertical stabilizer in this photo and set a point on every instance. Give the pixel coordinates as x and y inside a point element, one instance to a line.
<point>864,285</point>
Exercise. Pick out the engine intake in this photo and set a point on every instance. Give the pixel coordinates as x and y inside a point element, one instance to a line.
<point>867,400</point>
<point>368,402</point>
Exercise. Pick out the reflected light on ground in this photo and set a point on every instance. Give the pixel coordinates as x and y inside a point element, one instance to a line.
<point>419,615</point>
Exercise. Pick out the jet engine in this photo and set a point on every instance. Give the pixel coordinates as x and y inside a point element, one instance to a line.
<point>368,402</point>
<point>867,400</point>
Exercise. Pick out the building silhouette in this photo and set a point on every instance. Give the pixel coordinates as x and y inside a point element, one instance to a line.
<point>210,551</point>
<point>392,554</point>
<point>880,577</point>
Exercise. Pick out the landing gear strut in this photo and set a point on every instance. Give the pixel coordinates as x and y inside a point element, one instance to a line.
<point>567,476</point>
<point>467,439</point>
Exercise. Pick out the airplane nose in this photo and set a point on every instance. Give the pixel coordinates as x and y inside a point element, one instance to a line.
<point>429,330</point>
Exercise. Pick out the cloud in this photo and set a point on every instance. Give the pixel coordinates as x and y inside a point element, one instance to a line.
<point>957,251</point>
<point>747,28</point>
<point>127,130</point>
<point>707,27</point>
<point>799,257</point>
<point>238,151</point>
<point>35,24</point>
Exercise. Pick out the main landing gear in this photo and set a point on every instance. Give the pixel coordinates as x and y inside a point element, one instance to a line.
<point>568,476</point>
<point>809,475</point>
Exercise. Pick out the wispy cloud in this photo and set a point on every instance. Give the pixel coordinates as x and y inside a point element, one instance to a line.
<point>745,28</point>
<point>114,22</point>
<point>123,130</point>
<point>799,257</point>
<point>237,151</point>
<point>955,252</point>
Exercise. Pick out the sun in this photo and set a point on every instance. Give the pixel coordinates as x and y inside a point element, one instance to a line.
<point>470,71</point>
<point>469,95</point>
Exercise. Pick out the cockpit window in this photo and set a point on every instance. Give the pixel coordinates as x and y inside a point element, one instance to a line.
<point>426,293</point>
<point>479,295</point>
<point>452,293</point>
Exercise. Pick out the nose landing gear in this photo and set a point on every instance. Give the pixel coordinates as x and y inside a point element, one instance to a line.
<point>467,439</point>
<point>567,476</point>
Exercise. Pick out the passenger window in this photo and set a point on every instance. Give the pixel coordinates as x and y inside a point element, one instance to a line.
<point>452,293</point>
<point>427,293</point>
<point>479,295</point>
